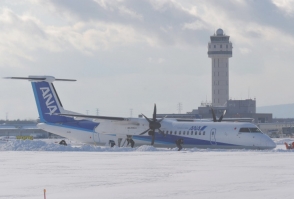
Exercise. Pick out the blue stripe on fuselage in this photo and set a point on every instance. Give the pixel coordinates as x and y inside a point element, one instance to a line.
<point>171,139</point>
<point>83,125</point>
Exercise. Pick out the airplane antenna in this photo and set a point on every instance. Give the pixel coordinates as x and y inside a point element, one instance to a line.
<point>97,111</point>
<point>180,107</point>
<point>131,112</point>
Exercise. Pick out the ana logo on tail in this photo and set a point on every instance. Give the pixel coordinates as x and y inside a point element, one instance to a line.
<point>48,97</point>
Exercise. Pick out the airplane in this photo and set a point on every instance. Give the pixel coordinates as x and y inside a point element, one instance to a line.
<point>163,132</point>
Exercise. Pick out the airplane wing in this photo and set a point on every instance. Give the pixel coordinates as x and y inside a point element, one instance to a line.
<point>94,117</point>
<point>238,119</point>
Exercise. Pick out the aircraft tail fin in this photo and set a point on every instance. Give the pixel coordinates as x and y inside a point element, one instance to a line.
<point>47,100</point>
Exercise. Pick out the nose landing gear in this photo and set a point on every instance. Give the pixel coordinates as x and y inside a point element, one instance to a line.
<point>179,143</point>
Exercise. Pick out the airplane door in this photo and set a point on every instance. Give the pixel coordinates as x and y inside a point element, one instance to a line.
<point>213,137</point>
<point>96,137</point>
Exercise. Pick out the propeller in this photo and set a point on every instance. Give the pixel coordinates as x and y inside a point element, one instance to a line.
<point>154,124</point>
<point>214,117</point>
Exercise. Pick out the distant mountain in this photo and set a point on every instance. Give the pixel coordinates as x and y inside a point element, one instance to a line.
<point>278,111</point>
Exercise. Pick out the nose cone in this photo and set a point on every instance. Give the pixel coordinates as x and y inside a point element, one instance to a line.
<point>271,144</point>
<point>267,142</point>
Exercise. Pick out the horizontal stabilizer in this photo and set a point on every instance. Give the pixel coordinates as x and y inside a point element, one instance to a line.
<point>40,78</point>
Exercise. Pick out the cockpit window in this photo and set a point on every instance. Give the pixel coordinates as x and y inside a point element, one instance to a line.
<point>244,130</point>
<point>255,130</point>
<point>250,130</point>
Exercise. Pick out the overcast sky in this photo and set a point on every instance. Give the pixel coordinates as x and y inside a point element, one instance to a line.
<point>132,54</point>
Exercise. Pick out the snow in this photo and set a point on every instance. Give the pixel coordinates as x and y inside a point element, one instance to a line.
<point>83,171</point>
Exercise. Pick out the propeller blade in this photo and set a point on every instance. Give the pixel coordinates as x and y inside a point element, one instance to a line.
<point>213,115</point>
<point>144,132</point>
<point>154,113</point>
<point>221,117</point>
<point>153,139</point>
<point>146,118</point>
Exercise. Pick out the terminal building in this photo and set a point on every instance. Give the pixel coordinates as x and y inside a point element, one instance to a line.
<point>29,128</point>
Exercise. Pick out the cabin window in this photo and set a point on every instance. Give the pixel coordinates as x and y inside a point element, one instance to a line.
<point>187,132</point>
<point>199,132</point>
<point>166,132</point>
<point>170,132</point>
<point>175,132</point>
<point>184,132</point>
<point>203,132</point>
<point>195,132</point>
<point>191,132</point>
<point>180,133</point>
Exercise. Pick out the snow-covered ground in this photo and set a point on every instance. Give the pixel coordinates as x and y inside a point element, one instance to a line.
<point>81,171</point>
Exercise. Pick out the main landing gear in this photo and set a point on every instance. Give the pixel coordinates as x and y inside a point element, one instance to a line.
<point>129,141</point>
<point>63,142</point>
<point>111,143</point>
<point>179,143</point>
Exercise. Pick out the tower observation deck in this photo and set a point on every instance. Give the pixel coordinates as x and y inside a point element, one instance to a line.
<point>220,50</point>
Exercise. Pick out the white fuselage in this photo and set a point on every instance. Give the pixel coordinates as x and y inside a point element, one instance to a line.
<point>200,134</point>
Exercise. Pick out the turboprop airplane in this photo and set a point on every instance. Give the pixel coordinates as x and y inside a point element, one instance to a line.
<point>164,132</point>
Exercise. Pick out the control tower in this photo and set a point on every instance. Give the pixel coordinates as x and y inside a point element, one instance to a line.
<point>220,50</point>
